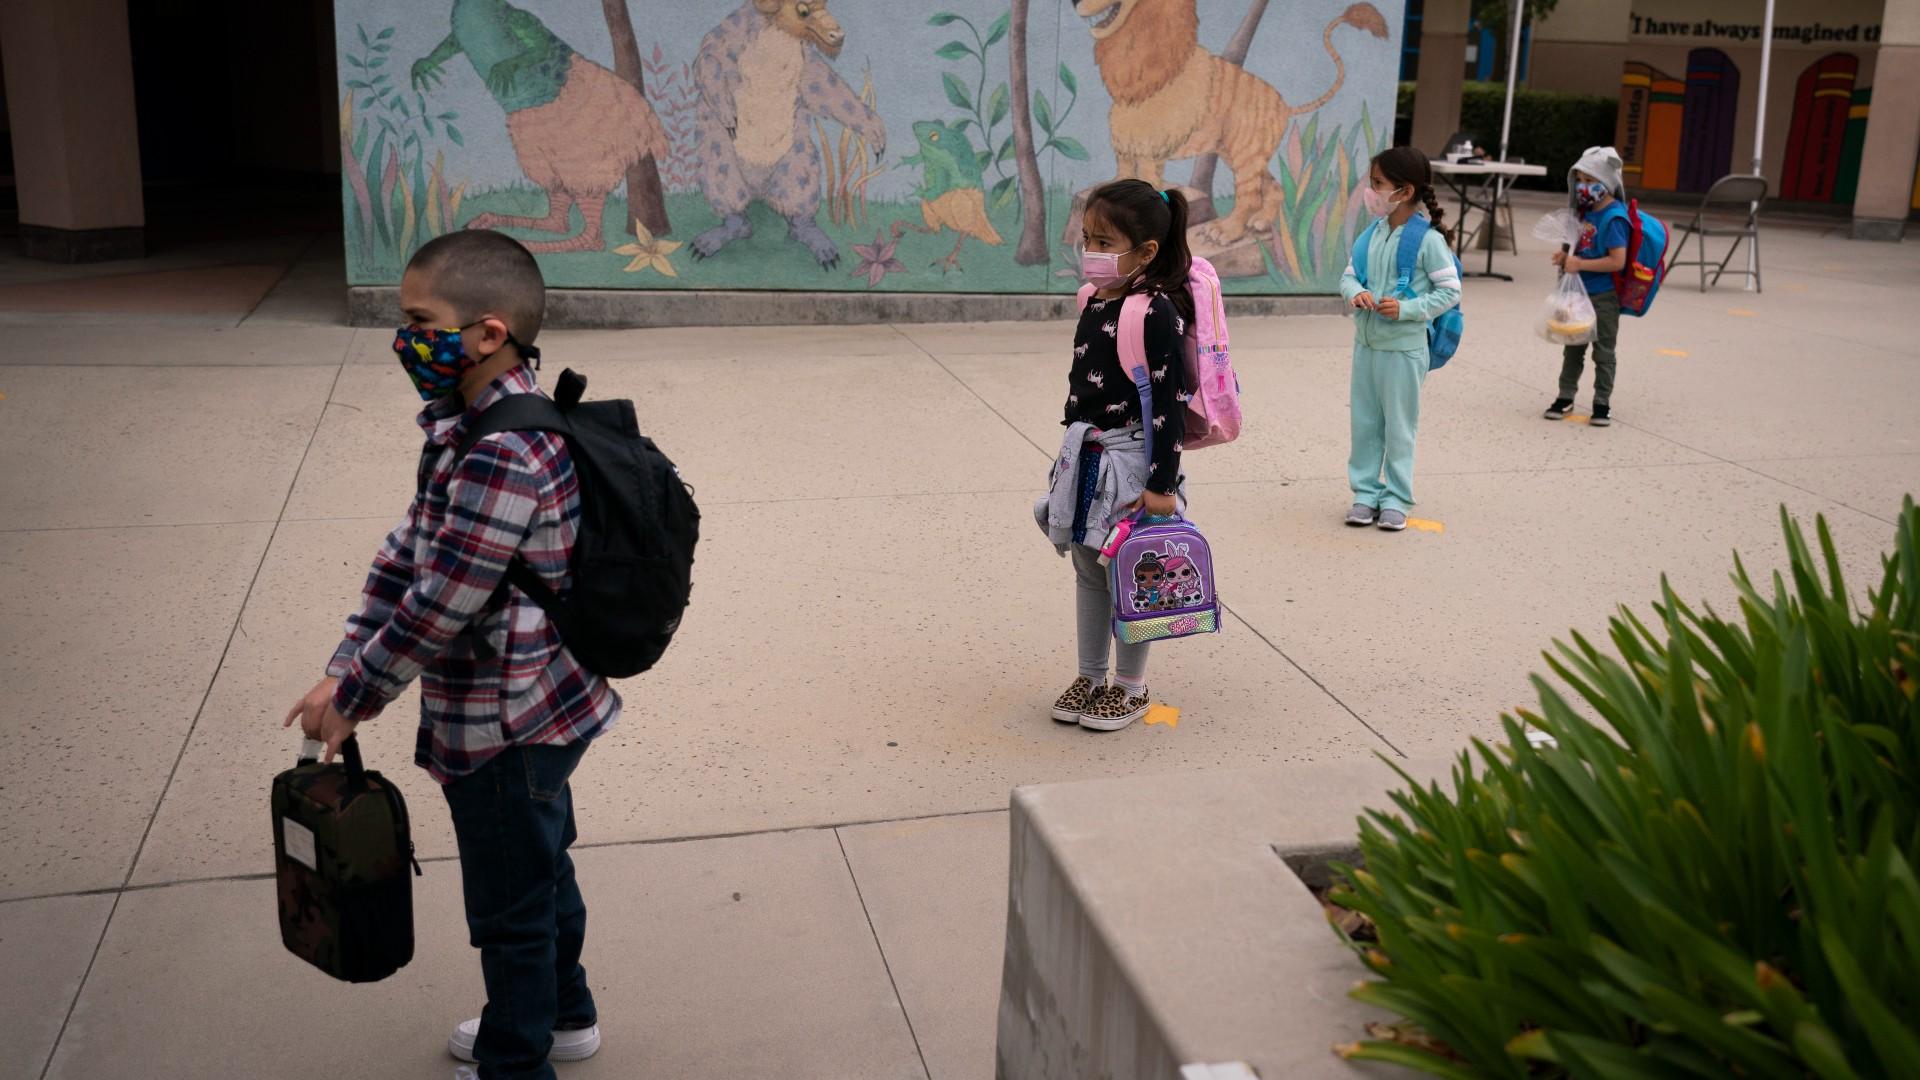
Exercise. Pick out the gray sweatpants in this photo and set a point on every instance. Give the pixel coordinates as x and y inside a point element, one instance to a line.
<point>1094,608</point>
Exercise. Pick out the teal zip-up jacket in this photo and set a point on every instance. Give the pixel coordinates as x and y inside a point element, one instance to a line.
<point>1435,285</point>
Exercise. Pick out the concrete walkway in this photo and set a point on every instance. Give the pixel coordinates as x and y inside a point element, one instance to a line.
<point>795,850</point>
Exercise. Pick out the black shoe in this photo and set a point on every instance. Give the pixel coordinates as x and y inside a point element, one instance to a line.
<point>1602,416</point>
<point>1559,409</point>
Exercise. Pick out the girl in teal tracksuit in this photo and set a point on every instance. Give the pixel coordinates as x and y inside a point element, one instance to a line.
<point>1390,337</point>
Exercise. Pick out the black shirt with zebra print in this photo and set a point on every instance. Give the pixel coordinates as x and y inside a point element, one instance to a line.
<point>1101,393</point>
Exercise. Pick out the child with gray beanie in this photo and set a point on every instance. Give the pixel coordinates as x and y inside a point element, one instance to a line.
<point>1595,191</point>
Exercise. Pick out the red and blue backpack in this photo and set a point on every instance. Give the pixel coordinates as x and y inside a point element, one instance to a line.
<point>1638,282</point>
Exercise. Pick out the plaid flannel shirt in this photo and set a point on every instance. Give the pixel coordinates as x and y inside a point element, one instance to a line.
<point>429,600</point>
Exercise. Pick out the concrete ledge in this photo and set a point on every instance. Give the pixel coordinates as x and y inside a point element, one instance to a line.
<point>612,309</point>
<point>1883,229</point>
<point>1154,923</point>
<point>49,244</point>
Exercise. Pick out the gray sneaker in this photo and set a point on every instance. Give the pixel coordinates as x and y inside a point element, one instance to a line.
<point>1392,520</point>
<point>1361,515</point>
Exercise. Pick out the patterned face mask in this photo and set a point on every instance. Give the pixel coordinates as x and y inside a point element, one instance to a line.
<point>1590,193</point>
<point>435,359</point>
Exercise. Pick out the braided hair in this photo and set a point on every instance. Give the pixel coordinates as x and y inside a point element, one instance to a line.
<point>1407,166</point>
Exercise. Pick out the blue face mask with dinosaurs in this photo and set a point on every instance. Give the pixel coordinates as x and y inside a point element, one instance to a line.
<point>435,359</point>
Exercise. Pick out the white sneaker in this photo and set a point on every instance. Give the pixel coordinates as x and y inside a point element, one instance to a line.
<point>567,1045</point>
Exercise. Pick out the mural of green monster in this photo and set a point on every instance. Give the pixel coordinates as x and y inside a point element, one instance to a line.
<point>575,126</point>
<point>952,189</point>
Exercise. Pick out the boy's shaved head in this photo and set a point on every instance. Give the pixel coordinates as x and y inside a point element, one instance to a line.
<point>479,272</point>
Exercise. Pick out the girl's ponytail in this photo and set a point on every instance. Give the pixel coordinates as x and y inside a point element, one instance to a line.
<point>1436,214</point>
<point>1142,214</point>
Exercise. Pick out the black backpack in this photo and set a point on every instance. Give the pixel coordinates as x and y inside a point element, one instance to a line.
<point>632,560</point>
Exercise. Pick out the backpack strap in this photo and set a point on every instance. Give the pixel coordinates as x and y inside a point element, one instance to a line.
<point>1086,294</point>
<point>1407,257</point>
<point>1361,244</point>
<point>519,412</point>
<point>1133,359</point>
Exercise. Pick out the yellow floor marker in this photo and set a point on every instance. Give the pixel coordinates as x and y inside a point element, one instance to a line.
<point>1740,311</point>
<point>1164,714</point>
<point>1578,418</point>
<point>1425,526</point>
<point>1673,352</point>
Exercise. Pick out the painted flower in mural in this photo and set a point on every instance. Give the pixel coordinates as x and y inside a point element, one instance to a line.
<point>876,260</point>
<point>649,253</point>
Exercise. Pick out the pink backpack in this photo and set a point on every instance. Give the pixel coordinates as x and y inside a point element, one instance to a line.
<point>1213,404</point>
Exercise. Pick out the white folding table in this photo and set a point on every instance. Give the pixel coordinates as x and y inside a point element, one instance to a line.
<point>1493,177</point>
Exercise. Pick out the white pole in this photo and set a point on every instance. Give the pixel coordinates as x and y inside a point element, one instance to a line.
<point>1760,123</point>
<point>1513,74</point>
<point>1506,129</point>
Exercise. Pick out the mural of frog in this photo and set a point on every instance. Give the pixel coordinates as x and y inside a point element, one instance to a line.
<point>952,189</point>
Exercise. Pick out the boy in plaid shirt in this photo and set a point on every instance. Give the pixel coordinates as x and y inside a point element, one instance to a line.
<point>505,711</point>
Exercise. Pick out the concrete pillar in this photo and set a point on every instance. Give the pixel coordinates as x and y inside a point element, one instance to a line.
<point>1443,65</point>
<point>1581,47</point>
<point>1881,206</point>
<point>76,146</point>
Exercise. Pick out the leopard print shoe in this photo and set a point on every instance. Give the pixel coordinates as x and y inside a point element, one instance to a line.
<point>1113,708</point>
<point>1073,704</point>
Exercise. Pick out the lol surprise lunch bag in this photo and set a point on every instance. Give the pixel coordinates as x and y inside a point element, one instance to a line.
<point>1162,572</point>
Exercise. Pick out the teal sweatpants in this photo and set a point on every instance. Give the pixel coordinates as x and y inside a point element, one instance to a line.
<point>1385,401</point>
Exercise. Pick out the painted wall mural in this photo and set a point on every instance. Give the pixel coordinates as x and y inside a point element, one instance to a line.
<point>1678,134</point>
<point>1817,135</point>
<point>794,144</point>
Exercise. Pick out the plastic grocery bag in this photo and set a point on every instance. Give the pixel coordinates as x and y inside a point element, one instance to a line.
<point>1560,227</point>
<point>1567,316</point>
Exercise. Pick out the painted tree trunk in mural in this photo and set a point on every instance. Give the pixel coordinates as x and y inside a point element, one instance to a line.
<point>1822,99</point>
<point>1236,53</point>
<point>1713,100</point>
<point>646,201</point>
<point>1032,248</point>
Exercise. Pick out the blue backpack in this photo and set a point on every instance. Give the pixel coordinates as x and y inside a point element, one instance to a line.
<point>1444,330</point>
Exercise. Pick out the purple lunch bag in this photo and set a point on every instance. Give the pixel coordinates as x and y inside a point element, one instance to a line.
<point>1163,582</point>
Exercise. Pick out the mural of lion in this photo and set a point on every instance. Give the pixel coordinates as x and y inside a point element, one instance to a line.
<point>1172,99</point>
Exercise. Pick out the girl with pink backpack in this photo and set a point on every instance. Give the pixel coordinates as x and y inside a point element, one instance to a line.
<point>1150,379</point>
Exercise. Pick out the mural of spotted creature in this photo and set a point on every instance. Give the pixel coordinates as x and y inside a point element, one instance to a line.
<point>762,75</point>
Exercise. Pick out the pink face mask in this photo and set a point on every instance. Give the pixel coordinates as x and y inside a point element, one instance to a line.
<point>1101,269</point>
<point>1378,203</point>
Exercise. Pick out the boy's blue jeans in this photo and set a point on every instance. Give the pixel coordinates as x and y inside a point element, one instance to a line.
<point>513,819</point>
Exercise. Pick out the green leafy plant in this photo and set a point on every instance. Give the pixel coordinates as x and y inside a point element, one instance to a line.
<point>985,110</point>
<point>397,200</point>
<point>1051,124</point>
<point>1320,176</point>
<point>1714,879</point>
